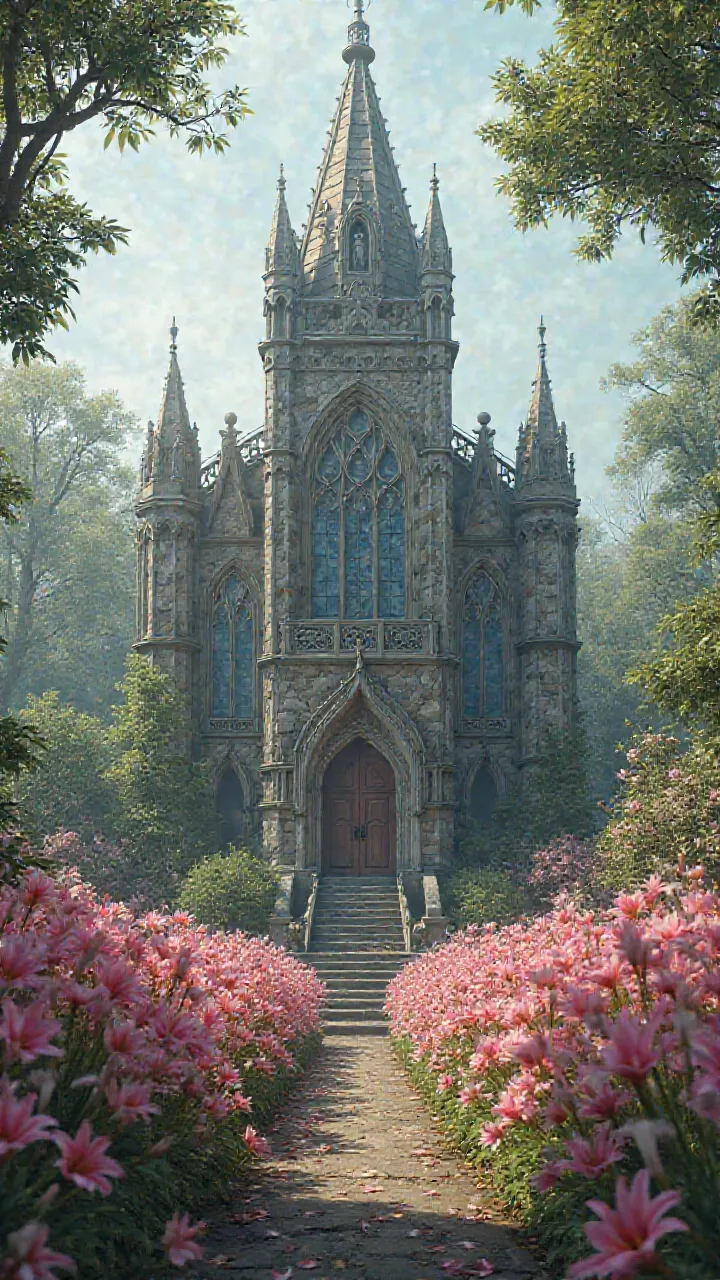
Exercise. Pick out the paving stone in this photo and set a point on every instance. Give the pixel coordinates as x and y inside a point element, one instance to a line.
<point>345,1190</point>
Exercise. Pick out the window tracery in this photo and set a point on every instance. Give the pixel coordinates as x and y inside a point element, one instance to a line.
<point>233,651</point>
<point>483,656</point>
<point>358,525</point>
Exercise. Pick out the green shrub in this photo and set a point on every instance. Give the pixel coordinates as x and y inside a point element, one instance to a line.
<point>481,895</point>
<point>668,812</point>
<point>234,890</point>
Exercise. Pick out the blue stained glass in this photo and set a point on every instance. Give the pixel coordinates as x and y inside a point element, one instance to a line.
<point>472,673</point>
<point>329,468</point>
<point>326,558</point>
<point>359,558</point>
<point>391,536</point>
<point>358,526</point>
<point>233,652</point>
<point>359,424</point>
<point>221,705</point>
<point>493,662</point>
<point>244,663</point>
<point>359,466</point>
<point>388,469</point>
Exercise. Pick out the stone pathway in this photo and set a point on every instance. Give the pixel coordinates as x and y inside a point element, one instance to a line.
<point>360,1187</point>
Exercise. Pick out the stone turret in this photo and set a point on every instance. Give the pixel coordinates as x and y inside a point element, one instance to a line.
<point>281,270</point>
<point>168,510</point>
<point>546,528</point>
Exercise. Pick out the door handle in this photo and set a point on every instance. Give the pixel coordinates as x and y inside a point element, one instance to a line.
<point>356,833</point>
<point>363,833</point>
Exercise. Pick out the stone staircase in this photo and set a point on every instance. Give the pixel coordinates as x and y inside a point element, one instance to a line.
<point>357,946</point>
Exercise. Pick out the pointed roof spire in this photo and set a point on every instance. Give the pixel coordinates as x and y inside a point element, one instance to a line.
<point>282,251</point>
<point>436,253</point>
<point>541,416</point>
<point>358,158</point>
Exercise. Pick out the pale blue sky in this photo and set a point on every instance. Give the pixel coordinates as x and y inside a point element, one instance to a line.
<point>199,228</point>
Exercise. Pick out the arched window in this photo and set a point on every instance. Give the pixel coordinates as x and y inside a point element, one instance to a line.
<point>483,659</point>
<point>436,319</point>
<point>231,809</point>
<point>483,796</point>
<point>358,525</point>
<point>233,651</point>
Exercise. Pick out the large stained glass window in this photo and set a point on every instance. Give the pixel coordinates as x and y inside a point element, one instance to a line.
<point>358,526</point>
<point>233,651</point>
<point>483,658</point>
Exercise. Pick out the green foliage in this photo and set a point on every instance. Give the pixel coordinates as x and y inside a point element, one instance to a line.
<point>667,814</point>
<point>480,895</point>
<point>165,811</point>
<point>70,789</point>
<point>67,564</point>
<point>617,124</point>
<point>673,393</point>
<point>552,798</point>
<point>229,891</point>
<point>126,65</point>
<point>19,743</point>
<point>684,677</point>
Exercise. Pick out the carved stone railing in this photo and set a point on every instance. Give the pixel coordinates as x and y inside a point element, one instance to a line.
<point>307,919</point>
<point>404,638</point>
<point>251,452</point>
<point>407,923</point>
<point>463,446</point>
<point>478,724</point>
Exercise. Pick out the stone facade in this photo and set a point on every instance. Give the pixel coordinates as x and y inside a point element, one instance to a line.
<point>360,568</point>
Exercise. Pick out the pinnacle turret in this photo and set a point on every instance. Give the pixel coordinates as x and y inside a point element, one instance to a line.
<point>281,255</point>
<point>174,460</point>
<point>542,453</point>
<point>436,252</point>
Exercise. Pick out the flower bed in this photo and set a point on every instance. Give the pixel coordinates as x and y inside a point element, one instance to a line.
<point>137,1055</point>
<point>580,1052</point>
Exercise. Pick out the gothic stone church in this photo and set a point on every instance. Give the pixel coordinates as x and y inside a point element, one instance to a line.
<point>372,611</point>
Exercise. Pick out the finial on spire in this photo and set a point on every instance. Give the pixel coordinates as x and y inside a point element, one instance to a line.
<point>359,36</point>
<point>435,181</point>
<point>173,335</point>
<point>282,184</point>
<point>542,330</point>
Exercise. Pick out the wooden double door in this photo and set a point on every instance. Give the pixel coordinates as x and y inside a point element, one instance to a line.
<point>359,813</point>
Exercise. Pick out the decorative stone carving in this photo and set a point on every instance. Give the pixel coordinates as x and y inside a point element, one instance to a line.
<point>404,639</point>
<point>313,639</point>
<point>352,636</point>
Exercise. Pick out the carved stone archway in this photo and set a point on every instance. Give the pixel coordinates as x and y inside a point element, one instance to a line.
<point>361,707</point>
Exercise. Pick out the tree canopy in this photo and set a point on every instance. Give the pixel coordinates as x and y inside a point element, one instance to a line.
<point>67,564</point>
<point>19,743</point>
<point>127,64</point>
<point>618,124</point>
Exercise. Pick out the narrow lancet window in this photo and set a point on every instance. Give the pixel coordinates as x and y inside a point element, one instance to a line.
<point>483,651</point>
<point>233,651</point>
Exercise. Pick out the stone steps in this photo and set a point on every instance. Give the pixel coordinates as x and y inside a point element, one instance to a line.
<point>357,947</point>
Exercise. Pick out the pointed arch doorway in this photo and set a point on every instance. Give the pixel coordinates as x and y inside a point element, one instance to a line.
<point>359,828</point>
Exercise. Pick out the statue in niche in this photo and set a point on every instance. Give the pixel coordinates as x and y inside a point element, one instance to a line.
<point>178,460</point>
<point>359,246</point>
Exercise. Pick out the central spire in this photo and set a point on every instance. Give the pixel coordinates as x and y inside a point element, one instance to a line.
<point>359,37</point>
<point>359,195</point>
